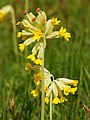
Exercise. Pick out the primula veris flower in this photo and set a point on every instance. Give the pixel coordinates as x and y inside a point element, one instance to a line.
<point>38,62</point>
<point>37,78</point>
<point>35,93</point>
<point>56,100</point>
<point>73,90</point>
<point>4,11</point>
<point>37,35</point>
<point>19,34</point>
<point>54,21</point>
<point>31,57</point>
<point>46,100</point>
<point>38,29</point>
<point>63,32</point>
<point>21,47</point>
<point>28,67</point>
<point>62,99</point>
<point>59,87</point>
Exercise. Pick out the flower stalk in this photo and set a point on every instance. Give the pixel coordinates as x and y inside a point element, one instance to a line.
<point>43,94</point>
<point>51,106</point>
<point>14,31</point>
<point>3,12</point>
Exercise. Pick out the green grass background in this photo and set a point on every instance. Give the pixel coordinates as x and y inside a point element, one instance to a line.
<point>62,59</point>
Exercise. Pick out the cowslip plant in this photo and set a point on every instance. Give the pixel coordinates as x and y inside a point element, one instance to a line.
<point>37,29</point>
<point>3,12</point>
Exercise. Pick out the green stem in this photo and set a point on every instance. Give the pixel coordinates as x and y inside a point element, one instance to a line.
<point>26,4</point>
<point>43,104</point>
<point>51,106</point>
<point>26,9</point>
<point>14,31</point>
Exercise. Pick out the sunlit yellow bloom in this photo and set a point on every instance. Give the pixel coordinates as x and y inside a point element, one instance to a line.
<point>73,90</point>
<point>31,57</point>
<point>54,21</point>
<point>75,82</point>
<point>21,47</point>
<point>19,34</point>
<point>62,99</point>
<point>63,32</point>
<point>28,67</point>
<point>27,26</point>
<point>38,62</point>
<point>19,23</point>
<point>45,89</point>
<point>67,90</point>
<point>56,100</point>
<point>35,93</point>
<point>46,100</point>
<point>37,78</point>
<point>37,35</point>
<point>2,15</point>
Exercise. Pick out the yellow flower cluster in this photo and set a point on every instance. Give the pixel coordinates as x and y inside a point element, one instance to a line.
<point>34,60</point>
<point>60,87</point>
<point>38,29</point>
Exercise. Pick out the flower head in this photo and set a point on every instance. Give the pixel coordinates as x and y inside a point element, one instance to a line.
<point>37,35</point>
<point>63,32</point>
<point>54,21</point>
<point>21,47</point>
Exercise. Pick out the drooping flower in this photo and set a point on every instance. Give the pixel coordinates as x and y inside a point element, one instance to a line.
<point>28,67</point>
<point>35,93</point>
<point>4,11</point>
<point>37,78</point>
<point>21,47</point>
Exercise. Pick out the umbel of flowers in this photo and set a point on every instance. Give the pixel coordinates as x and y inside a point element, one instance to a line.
<point>37,29</point>
<point>60,87</point>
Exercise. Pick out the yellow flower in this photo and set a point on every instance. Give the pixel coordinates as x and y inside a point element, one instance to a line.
<point>45,89</point>
<point>56,100</point>
<point>35,93</point>
<point>28,66</point>
<point>21,47</point>
<point>46,100</point>
<point>37,35</point>
<point>19,34</point>
<point>27,26</point>
<point>31,57</point>
<point>62,99</point>
<point>37,78</point>
<point>67,89</point>
<point>18,23</point>
<point>54,21</point>
<point>38,62</point>
<point>2,15</point>
<point>75,82</point>
<point>73,90</point>
<point>64,34</point>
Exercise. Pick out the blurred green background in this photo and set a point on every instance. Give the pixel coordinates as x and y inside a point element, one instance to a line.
<point>62,59</point>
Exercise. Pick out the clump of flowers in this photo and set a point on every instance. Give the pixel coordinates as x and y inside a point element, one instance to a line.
<point>37,29</point>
